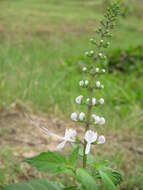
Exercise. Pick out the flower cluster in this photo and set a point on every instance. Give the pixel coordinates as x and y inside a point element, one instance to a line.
<point>90,136</point>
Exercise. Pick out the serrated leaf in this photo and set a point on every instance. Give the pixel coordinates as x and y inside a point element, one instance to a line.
<point>108,183</point>
<point>48,162</point>
<point>42,184</point>
<point>86,179</point>
<point>74,157</point>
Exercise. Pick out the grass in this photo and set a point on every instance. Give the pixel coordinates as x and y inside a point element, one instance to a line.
<point>41,45</point>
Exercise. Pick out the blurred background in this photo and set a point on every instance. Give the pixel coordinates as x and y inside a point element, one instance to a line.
<point>42,45</point>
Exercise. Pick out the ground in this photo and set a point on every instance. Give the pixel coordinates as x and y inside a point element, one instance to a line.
<point>21,137</point>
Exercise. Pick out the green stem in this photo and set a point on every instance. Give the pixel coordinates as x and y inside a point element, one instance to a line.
<point>88,122</point>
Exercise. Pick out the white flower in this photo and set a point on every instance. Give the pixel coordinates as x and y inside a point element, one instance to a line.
<point>93,101</point>
<point>84,69</point>
<point>102,121</point>
<point>102,86</point>
<point>81,116</point>
<point>97,70</point>
<point>91,40</point>
<point>81,83</point>
<point>100,54</point>
<point>103,70</point>
<point>87,100</point>
<point>86,82</point>
<point>108,43</point>
<point>92,52</point>
<point>101,101</point>
<point>101,140</point>
<point>98,84</point>
<point>78,99</point>
<point>74,116</point>
<point>96,119</point>
<point>70,135</point>
<point>90,137</point>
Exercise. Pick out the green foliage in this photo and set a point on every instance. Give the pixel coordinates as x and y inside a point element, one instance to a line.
<point>110,177</point>
<point>87,181</point>
<point>73,157</point>
<point>53,162</point>
<point>126,60</point>
<point>42,184</point>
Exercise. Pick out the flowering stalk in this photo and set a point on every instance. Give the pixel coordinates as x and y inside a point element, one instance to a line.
<point>98,57</point>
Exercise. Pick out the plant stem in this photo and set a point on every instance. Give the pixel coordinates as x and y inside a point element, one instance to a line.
<point>88,121</point>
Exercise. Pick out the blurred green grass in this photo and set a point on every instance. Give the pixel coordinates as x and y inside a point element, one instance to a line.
<point>41,44</point>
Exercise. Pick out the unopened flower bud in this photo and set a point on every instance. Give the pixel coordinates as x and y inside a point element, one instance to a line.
<point>102,121</point>
<point>74,116</point>
<point>93,101</point>
<point>84,69</point>
<point>91,40</point>
<point>86,82</point>
<point>101,140</point>
<point>97,70</point>
<point>101,101</point>
<point>102,86</point>
<point>81,83</point>
<point>103,70</point>
<point>98,84</point>
<point>91,52</point>
<point>81,116</point>
<point>87,100</point>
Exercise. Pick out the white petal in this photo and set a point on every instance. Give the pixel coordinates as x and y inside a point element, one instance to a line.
<point>102,121</point>
<point>81,83</point>
<point>101,101</point>
<point>101,140</point>
<point>92,52</point>
<point>97,70</point>
<point>70,135</point>
<point>78,99</point>
<point>103,70</point>
<point>81,116</point>
<point>87,100</point>
<point>86,82</point>
<point>90,136</point>
<point>61,145</point>
<point>98,84</point>
<point>102,86</point>
<point>84,69</point>
<point>74,116</point>
<point>96,118</point>
<point>87,149</point>
<point>93,101</point>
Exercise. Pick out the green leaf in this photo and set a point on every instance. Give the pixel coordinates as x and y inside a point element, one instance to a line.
<point>114,175</point>
<point>74,157</point>
<point>48,162</point>
<point>86,179</point>
<point>108,183</point>
<point>42,184</point>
